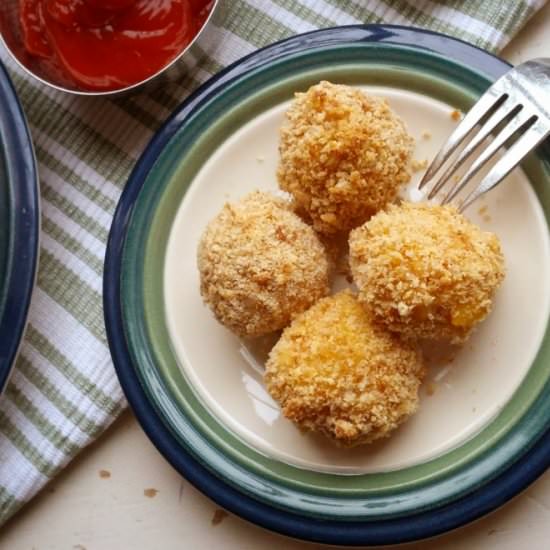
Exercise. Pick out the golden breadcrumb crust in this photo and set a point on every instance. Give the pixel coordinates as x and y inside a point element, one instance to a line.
<point>343,155</point>
<point>334,372</point>
<point>425,271</point>
<point>260,265</point>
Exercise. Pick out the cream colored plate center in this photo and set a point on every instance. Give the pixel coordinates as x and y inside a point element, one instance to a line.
<point>458,398</point>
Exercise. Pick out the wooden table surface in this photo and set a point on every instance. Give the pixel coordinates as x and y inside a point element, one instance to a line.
<point>121,494</point>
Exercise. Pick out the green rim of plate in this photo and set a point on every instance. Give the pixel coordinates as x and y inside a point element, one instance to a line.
<point>362,497</point>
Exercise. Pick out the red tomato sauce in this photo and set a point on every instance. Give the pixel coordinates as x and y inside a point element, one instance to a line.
<point>109,44</point>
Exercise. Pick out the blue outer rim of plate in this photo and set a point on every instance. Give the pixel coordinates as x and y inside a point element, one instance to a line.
<point>24,224</point>
<point>414,527</point>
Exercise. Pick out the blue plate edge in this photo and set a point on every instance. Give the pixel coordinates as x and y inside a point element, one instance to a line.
<point>25,227</point>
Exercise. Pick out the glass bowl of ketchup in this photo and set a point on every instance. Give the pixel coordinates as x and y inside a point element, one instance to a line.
<point>99,47</point>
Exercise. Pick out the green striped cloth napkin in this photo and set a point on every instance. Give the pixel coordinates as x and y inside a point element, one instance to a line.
<point>64,391</point>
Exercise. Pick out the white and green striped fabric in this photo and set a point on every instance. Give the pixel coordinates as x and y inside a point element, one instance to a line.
<point>64,391</point>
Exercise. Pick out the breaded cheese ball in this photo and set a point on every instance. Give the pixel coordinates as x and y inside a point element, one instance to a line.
<point>344,154</point>
<point>425,271</point>
<point>260,265</point>
<point>334,372</point>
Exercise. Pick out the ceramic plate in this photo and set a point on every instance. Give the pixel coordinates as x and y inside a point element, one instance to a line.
<point>19,224</point>
<point>198,390</point>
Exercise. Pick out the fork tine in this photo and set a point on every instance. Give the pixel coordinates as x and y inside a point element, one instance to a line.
<point>479,113</point>
<point>519,124</point>
<point>499,116</point>
<point>528,141</point>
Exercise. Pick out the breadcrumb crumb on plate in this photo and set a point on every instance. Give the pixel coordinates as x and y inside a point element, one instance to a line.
<point>418,165</point>
<point>336,373</point>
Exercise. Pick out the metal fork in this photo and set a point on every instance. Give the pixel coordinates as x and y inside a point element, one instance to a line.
<point>515,111</point>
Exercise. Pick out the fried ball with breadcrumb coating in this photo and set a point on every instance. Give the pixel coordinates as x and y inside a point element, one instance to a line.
<point>344,154</point>
<point>334,372</point>
<point>425,271</point>
<point>260,265</point>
